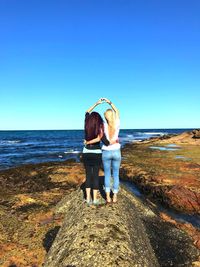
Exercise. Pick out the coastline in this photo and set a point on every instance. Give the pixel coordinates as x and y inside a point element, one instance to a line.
<point>30,193</point>
<point>32,147</point>
<point>166,169</point>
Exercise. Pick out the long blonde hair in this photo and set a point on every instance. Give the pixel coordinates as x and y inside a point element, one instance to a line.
<point>110,117</point>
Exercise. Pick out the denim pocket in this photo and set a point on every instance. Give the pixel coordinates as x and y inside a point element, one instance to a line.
<point>117,154</point>
<point>106,154</point>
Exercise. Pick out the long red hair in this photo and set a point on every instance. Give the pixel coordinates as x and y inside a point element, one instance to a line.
<point>93,125</point>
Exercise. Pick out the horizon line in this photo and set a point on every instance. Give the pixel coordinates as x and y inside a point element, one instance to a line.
<point>189,128</point>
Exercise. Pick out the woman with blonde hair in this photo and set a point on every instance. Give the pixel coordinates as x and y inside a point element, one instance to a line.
<point>111,154</point>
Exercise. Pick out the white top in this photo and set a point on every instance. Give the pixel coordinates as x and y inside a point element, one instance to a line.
<point>115,137</point>
<point>96,151</point>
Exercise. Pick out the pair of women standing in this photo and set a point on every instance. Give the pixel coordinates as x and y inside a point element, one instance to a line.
<point>95,131</point>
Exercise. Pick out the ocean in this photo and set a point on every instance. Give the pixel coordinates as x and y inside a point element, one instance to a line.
<point>25,147</point>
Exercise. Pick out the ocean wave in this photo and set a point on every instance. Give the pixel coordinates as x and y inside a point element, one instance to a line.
<point>6,142</point>
<point>129,135</point>
<point>126,139</point>
<point>72,152</point>
<point>17,148</point>
<point>154,133</point>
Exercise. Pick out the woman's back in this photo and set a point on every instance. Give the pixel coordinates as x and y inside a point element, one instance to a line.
<point>112,133</point>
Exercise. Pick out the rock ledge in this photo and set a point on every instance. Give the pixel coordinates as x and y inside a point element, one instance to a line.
<point>107,235</point>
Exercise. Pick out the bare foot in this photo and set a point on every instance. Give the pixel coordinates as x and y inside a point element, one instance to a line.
<point>114,198</point>
<point>108,200</point>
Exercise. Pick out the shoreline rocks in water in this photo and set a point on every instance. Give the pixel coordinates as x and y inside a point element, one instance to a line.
<point>170,173</point>
<point>187,138</point>
<point>196,133</point>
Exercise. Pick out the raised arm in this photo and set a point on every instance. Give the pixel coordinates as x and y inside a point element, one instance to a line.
<point>93,106</point>
<point>112,106</point>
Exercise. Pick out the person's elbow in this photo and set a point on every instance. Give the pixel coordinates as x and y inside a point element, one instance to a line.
<point>107,143</point>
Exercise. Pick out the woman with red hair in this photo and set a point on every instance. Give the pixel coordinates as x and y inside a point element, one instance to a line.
<point>92,154</point>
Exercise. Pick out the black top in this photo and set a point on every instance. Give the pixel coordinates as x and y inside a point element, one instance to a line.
<point>97,144</point>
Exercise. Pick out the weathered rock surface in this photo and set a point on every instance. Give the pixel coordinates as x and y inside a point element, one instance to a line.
<point>29,222</point>
<point>28,195</point>
<point>170,172</point>
<point>108,235</point>
<point>184,199</point>
<point>39,177</point>
<point>124,234</point>
<point>184,138</point>
<point>170,193</point>
<point>196,133</point>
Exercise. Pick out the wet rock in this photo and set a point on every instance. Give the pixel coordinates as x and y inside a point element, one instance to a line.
<point>165,191</point>
<point>185,199</point>
<point>160,175</point>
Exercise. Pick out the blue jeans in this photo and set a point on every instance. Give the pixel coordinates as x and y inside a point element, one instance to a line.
<point>111,159</point>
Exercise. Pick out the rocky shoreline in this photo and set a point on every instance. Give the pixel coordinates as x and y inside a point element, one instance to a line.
<point>28,195</point>
<point>31,195</point>
<point>166,169</point>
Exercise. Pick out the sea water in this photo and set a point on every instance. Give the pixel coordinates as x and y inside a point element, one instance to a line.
<point>24,147</point>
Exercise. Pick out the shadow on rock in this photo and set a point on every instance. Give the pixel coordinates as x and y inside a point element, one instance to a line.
<point>101,188</point>
<point>50,237</point>
<point>172,247</point>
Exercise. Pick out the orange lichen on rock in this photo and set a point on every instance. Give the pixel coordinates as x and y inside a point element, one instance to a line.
<point>162,173</point>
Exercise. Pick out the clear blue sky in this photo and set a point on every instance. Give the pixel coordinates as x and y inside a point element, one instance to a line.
<point>58,57</point>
